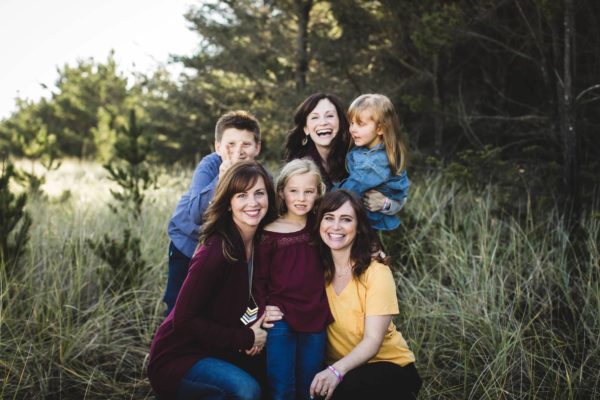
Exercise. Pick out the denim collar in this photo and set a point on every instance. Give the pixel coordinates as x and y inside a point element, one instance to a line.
<point>365,149</point>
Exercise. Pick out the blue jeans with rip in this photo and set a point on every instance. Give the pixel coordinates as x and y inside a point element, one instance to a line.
<point>216,379</point>
<point>178,269</point>
<point>293,360</point>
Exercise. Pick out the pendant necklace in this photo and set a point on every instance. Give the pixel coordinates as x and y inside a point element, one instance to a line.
<point>251,314</point>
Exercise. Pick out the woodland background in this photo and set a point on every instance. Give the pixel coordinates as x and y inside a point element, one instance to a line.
<point>497,259</point>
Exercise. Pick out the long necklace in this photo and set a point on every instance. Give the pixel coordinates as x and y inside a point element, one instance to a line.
<point>251,314</point>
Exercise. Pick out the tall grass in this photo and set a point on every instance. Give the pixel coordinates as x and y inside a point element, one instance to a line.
<point>497,308</point>
<point>61,334</point>
<point>493,307</point>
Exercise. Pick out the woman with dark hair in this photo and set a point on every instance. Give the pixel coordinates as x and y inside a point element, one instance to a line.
<point>367,356</point>
<point>208,346</point>
<point>322,132</point>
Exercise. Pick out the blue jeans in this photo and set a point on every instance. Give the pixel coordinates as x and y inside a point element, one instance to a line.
<point>215,379</point>
<point>178,269</point>
<point>293,360</point>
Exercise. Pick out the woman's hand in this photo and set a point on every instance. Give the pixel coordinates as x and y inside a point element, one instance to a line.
<point>323,384</point>
<point>260,337</point>
<point>373,200</point>
<point>272,314</point>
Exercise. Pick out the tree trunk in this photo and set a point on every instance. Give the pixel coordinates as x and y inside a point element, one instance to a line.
<point>566,109</point>
<point>438,122</point>
<point>303,11</point>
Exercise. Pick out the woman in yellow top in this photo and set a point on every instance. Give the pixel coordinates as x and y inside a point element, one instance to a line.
<point>367,357</point>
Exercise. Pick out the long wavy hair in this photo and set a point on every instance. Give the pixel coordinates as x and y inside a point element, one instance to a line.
<point>365,246</point>
<point>336,160</point>
<point>385,116</point>
<point>218,219</point>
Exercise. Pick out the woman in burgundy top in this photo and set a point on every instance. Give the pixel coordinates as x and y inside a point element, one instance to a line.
<point>208,346</point>
<point>289,275</point>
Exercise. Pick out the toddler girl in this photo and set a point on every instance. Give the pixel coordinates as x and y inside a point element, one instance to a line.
<point>378,159</point>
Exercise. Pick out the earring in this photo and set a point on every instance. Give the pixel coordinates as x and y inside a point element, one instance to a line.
<point>305,140</point>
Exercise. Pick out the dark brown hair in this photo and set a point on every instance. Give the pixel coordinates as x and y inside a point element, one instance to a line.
<point>238,119</point>
<point>336,161</point>
<point>218,219</point>
<point>366,243</point>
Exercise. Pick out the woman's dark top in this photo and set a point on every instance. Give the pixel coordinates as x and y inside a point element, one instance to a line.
<point>289,274</point>
<point>205,321</point>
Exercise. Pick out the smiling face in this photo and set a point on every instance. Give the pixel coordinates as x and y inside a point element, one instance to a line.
<point>365,131</point>
<point>338,227</point>
<point>322,123</point>
<point>249,207</point>
<point>300,193</point>
<point>237,145</point>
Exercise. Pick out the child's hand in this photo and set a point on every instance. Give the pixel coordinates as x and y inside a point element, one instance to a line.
<point>225,165</point>
<point>272,314</point>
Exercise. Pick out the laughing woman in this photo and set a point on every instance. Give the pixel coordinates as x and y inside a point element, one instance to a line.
<point>210,345</point>
<point>367,356</point>
<point>321,132</point>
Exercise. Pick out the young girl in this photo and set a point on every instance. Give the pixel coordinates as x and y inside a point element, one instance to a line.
<point>378,159</point>
<point>289,275</point>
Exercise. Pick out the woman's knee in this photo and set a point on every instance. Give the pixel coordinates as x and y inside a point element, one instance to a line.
<point>250,390</point>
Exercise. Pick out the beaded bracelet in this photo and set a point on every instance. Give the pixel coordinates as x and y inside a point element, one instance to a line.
<point>336,372</point>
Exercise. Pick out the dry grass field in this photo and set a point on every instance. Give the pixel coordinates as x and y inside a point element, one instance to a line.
<point>494,308</point>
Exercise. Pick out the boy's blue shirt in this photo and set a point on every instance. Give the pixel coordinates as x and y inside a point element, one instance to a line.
<point>370,169</point>
<point>185,223</point>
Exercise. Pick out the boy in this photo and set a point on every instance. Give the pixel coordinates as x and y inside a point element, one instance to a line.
<point>237,137</point>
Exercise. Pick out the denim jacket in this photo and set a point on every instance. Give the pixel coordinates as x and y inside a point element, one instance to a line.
<point>369,169</point>
<point>185,223</point>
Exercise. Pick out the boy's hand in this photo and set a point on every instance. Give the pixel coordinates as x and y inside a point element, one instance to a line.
<point>229,156</point>
<point>225,165</point>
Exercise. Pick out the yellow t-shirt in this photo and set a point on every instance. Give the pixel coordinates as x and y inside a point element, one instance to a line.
<point>374,293</point>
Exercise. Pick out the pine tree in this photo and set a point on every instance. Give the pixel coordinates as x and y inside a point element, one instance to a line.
<point>123,253</point>
<point>14,222</point>
<point>130,170</point>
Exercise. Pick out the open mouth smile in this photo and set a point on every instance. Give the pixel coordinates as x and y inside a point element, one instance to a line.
<point>324,132</point>
<point>252,213</point>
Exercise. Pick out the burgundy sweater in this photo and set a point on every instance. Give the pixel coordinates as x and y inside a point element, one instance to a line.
<point>205,321</point>
<point>289,274</point>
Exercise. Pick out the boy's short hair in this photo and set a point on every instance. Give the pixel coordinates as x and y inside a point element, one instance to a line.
<point>238,119</point>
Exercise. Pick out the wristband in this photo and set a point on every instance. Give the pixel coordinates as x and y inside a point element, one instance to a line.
<point>335,372</point>
<point>386,204</point>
